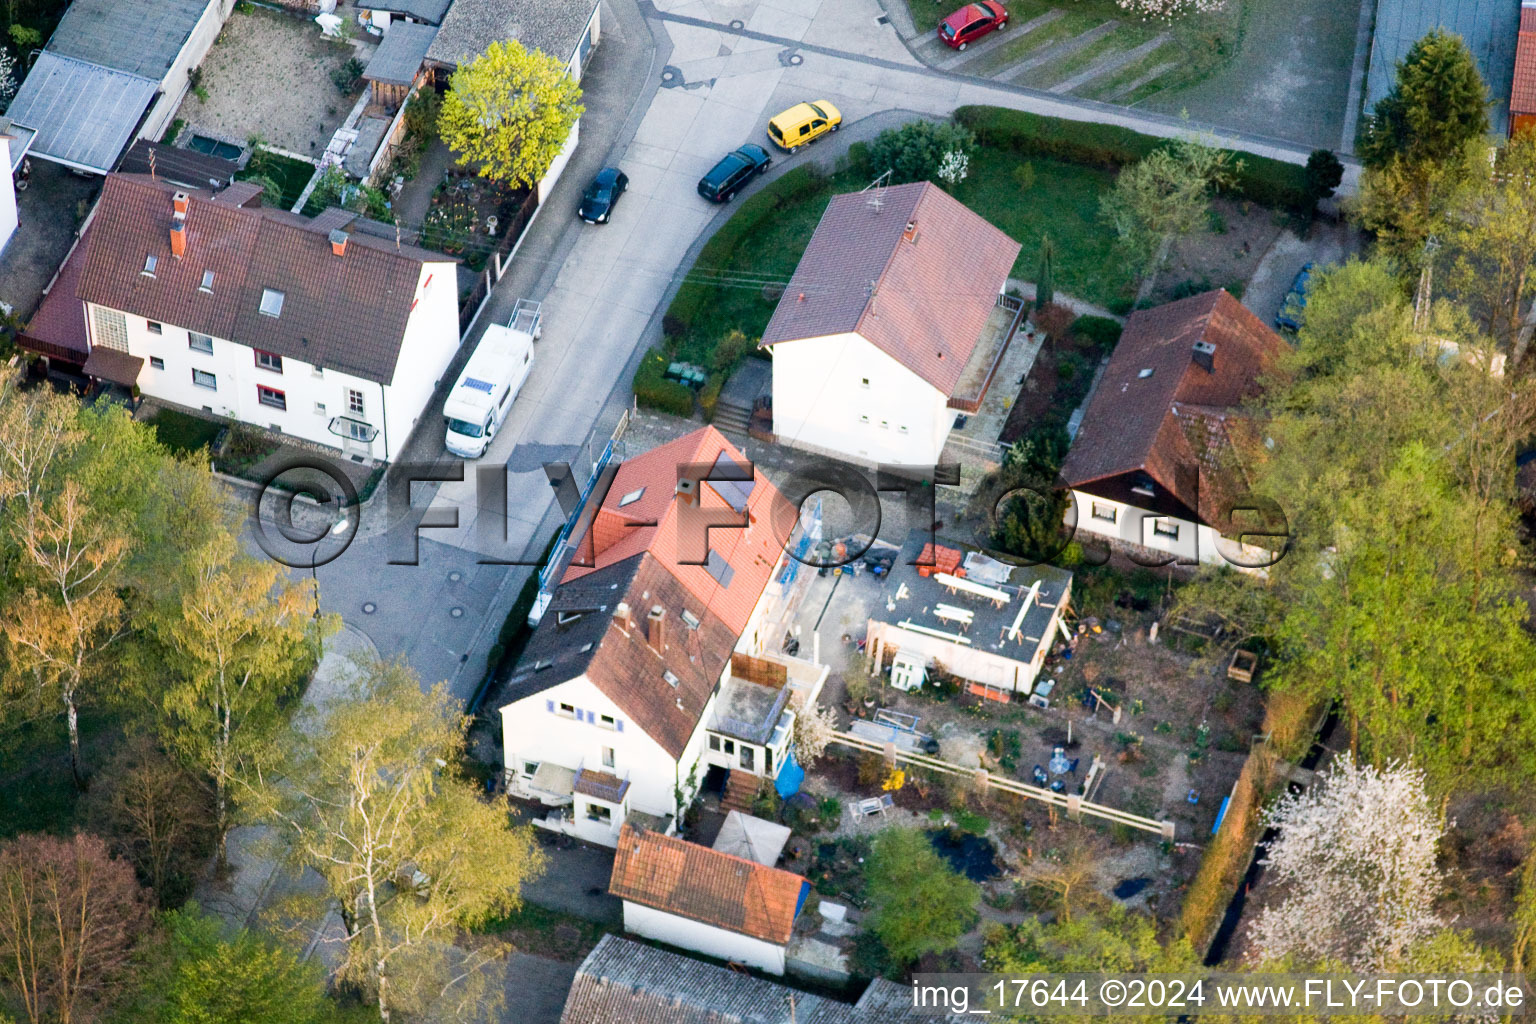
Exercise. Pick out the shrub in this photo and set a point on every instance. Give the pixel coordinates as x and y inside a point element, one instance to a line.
<point>1053,319</point>
<point>347,77</point>
<point>709,396</point>
<point>919,150</point>
<point>1189,286</point>
<point>1260,179</point>
<point>421,118</point>
<point>1024,176</point>
<point>654,391</point>
<point>1120,305</point>
<point>26,37</point>
<point>1101,331</point>
<point>858,158</point>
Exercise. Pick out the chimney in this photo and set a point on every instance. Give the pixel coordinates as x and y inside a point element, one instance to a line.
<point>910,234</point>
<point>180,202</point>
<point>686,489</point>
<point>179,237</point>
<point>621,615</point>
<point>339,241</point>
<point>656,628</point>
<point>1204,356</point>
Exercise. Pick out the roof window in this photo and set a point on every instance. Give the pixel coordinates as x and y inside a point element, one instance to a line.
<point>631,497</point>
<point>271,302</point>
<point>207,285</point>
<point>1144,374</point>
<point>670,677</point>
<point>150,262</point>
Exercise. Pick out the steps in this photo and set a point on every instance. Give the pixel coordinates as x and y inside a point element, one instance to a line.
<point>731,417</point>
<point>740,792</point>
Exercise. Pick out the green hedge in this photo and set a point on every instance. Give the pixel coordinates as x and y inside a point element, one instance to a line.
<point>1100,330</point>
<point>1262,180</point>
<point>787,190</point>
<point>654,391</point>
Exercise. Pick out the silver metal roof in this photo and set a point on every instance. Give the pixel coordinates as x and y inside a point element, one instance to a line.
<point>84,114</point>
<point>399,56</point>
<point>1489,27</point>
<point>141,37</point>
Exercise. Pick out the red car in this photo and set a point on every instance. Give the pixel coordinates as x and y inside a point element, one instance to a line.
<point>971,22</point>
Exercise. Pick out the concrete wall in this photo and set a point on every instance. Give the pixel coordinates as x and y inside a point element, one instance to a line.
<point>703,938</point>
<point>9,217</point>
<point>1014,671</point>
<point>312,396</point>
<point>820,401</point>
<point>173,87</point>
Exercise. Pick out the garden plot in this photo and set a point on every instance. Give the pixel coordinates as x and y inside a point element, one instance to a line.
<point>271,75</point>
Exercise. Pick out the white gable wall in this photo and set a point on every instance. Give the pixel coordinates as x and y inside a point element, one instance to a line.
<point>686,933</point>
<point>1135,526</point>
<point>429,344</point>
<point>820,402</point>
<point>9,217</point>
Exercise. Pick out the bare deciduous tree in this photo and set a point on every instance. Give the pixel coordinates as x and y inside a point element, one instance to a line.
<point>70,915</point>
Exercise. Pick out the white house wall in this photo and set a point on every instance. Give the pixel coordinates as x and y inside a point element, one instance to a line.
<point>9,218</point>
<point>719,943</point>
<point>428,346</point>
<point>820,401</point>
<point>1014,671</point>
<point>1135,526</point>
<point>533,733</point>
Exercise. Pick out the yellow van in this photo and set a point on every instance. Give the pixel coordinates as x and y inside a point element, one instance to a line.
<point>803,123</point>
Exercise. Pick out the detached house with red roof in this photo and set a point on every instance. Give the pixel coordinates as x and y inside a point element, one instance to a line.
<point>325,329</point>
<point>1154,467</point>
<point>894,322</point>
<point>715,903</point>
<point>650,670</point>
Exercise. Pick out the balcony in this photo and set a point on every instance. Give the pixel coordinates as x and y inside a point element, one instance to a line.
<point>987,356</point>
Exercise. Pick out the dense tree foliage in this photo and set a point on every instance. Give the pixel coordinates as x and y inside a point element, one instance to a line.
<point>921,905</point>
<point>509,112</point>
<point>1437,104</point>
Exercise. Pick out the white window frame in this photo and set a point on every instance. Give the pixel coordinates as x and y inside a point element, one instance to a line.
<point>272,302</point>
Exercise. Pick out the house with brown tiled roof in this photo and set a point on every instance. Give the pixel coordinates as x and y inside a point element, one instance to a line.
<point>894,322</point>
<point>1154,467</point>
<point>693,897</point>
<point>651,671</point>
<point>326,328</point>
<point>1522,96</point>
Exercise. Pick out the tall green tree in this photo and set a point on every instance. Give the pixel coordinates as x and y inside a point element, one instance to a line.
<point>233,643</point>
<point>217,979</point>
<point>1490,244</point>
<point>373,799</point>
<point>1437,105</point>
<point>510,111</point>
<point>1045,276</point>
<point>921,904</point>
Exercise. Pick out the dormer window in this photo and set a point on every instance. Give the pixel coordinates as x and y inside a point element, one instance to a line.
<point>207,285</point>
<point>150,262</point>
<point>271,302</point>
<point>1143,486</point>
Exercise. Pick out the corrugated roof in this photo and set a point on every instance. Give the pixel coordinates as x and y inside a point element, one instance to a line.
<point>921,296</point>
<point>1489,28</point>
<point>142,37</point>
<point>553,26</point>
<point>343,313</point>
<point>626,982</point>
<point>399,56</point>
<point>84,114</point>
<point>693,881</point>
<point>1140,421</point>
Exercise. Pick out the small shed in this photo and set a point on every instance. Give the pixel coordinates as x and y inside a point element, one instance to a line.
<point>396,64</point>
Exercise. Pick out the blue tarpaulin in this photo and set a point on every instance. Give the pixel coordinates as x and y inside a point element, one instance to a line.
<point>790,776</point>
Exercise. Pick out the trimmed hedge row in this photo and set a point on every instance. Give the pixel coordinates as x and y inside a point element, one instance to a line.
<point>654,391</point>
<point>1263,180</point>
<point>717,253</point>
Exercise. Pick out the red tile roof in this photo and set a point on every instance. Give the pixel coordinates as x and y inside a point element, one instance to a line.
<point>345,313</point>
<point>1522,99</point>
<point>921,296</point>
<point>60,319</point>
<point>1171,423</point>
<point>692,881</point>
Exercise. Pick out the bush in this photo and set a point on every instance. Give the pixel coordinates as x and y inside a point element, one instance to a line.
<point>1261,179</point>
<point>916,151</point>
<point>787,190</point>
<point>709,396</point>
<point>858,158</point>
<point>1120,306</point>
<point>1188,287</point>
<point>654,391</point>
<point>1101,331</point>
<point>1055,320</point>
<point>421,115</point>
<point>347,77</point>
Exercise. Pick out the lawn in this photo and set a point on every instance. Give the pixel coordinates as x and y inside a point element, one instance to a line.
<point>762,243</point>
<point>181,432</point>
<point>287,175</point>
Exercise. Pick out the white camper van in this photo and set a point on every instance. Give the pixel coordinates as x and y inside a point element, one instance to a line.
<point>479,401</point>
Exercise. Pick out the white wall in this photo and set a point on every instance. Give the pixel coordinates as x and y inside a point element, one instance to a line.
<point>551,176</point>
<point>173,87</point>
<point>703,938</point>
<point>531,732</point>
<point>431,338</point>
<point>1131,525</point>
<point>1015,671</point>
<point>430,342</point>
<point>820,401</point>
<point>9,217</point>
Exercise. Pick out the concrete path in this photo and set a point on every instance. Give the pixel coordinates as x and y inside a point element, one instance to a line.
<point>1020,71</point>
<point>1078,306</point>
<point>1324,244</point>
<point>416,197</point>
<point>1109,64</point>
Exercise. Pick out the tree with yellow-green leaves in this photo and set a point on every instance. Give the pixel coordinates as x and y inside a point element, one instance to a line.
<point>510,111</point>
<point>373,798</point>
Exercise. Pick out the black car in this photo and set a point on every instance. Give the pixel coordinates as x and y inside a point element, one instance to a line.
<point>727,177</point>
<point>598,201</point>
